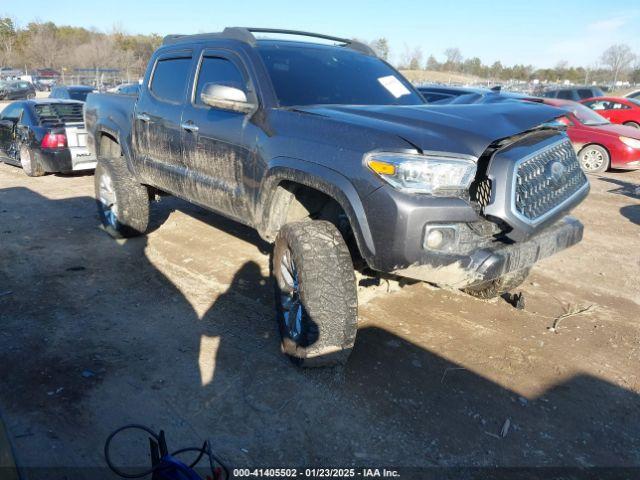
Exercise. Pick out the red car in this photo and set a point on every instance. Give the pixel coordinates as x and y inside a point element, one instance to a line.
<point>599,143</point>
<point>625,111</point>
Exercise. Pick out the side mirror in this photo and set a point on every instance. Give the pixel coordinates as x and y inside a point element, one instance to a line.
<point>226,98</point>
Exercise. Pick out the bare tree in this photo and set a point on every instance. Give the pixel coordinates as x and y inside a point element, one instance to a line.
<point>8,37</point>
<point>42,48</point>
<point>618,59</point>
<point>454,58</point>
<point>99,52</point>
<point>415,63</point>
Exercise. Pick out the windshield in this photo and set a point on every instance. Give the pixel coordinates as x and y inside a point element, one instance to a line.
<point>318,75</point>
<point>635,101</point>
<point>587,116</point>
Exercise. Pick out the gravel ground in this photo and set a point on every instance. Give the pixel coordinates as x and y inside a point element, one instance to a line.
<point>175,330</point>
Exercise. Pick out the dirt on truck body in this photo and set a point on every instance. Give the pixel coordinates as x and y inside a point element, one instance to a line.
<point>331,154</point>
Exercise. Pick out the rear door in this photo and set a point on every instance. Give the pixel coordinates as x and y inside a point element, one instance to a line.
<point>157,116</point>
<point>219,144</point>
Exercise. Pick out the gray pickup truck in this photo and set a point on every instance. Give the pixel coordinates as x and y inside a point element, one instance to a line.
<point>331,154</point>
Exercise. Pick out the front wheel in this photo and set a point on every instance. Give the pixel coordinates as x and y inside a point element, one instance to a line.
<point>30,163</point>
<point>123,203</point>
<point>594,159</point>
<point>316,296</point>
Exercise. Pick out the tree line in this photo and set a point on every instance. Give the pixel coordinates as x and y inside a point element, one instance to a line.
<point>617,63</point>
<point>66,48</point>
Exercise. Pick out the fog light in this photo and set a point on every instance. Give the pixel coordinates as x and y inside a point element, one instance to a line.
<point>440,237</point>
<point>434,239</point>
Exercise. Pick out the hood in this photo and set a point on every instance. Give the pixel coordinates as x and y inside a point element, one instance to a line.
<point>463,129</point>
<point>616,130</point>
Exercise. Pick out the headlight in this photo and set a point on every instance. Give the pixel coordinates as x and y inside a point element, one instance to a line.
<point>630,142</point>
<point>430,174</point>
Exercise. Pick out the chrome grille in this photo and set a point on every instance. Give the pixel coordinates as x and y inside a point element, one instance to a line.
<point>546,180</point>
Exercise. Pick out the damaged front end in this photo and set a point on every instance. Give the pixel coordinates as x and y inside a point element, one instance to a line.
<point>514,216</point>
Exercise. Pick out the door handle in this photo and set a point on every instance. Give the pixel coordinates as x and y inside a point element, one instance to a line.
<point>190,127</point>
<point>143,117</point>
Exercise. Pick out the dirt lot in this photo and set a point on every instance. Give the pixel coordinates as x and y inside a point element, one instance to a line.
<point>176,331</point>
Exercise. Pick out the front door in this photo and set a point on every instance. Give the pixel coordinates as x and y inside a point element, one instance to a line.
<point>157,116</point>
<point>9,119</point>
<point>219,145</point>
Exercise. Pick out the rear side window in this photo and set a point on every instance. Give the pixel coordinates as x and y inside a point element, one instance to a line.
<point>566,95</point>
<point>80,95</point>
<point>170,79</point>
<point>585,93</point>
<point>50,114</point>
<point>221,71</point>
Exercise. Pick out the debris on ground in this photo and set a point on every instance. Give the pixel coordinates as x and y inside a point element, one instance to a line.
<point>571,313</point>
<point>516,300</point>
<point>88,373</point>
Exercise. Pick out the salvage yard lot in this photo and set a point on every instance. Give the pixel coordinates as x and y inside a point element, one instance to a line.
<point>175,330</point>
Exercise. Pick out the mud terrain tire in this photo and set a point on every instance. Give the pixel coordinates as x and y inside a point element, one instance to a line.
<point>123,203</point>
<point>316,295</point>
<point>499,286</point>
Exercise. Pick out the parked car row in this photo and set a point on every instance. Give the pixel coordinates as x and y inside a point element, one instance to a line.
<point>604,131</point>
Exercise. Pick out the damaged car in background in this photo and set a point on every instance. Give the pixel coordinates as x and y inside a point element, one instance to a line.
<point>332,155</point>
<point>45,136</point>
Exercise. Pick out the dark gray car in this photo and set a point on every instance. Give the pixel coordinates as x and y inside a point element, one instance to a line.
<point>71,92</point>
<point>16,90</point>
<point>574,93</point>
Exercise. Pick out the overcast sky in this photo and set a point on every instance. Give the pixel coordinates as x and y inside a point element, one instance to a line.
<point>538,32</point>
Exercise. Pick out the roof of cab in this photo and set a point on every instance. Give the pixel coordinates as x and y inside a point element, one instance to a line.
<point>246,35</point>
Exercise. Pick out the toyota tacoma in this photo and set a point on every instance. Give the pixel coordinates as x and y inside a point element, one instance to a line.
<point>331,154</point>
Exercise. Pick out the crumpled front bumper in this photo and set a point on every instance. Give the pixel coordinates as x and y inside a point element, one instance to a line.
<point>485,264</point>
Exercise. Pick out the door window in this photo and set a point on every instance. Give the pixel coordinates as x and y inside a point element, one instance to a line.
<point>170,79</point>
<point>220,71</point>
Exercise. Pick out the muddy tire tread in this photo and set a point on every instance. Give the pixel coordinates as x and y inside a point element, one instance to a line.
<point>132,198</point>
<point>327,290</point>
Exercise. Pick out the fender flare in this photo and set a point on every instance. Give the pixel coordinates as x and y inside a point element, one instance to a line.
<point>111,129</point>
<point>333,184</point>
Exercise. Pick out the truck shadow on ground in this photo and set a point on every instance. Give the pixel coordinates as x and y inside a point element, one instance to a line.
<point>81,302</point>
<point>624,188</point>
<point>631,212</point>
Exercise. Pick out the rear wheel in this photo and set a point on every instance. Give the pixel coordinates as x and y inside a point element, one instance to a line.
<point>123,203</point>
<point>499,286</point>
<point>632,124</point>
<point>316,296</point>
<point>29,162</point>
<point>594,159</point>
